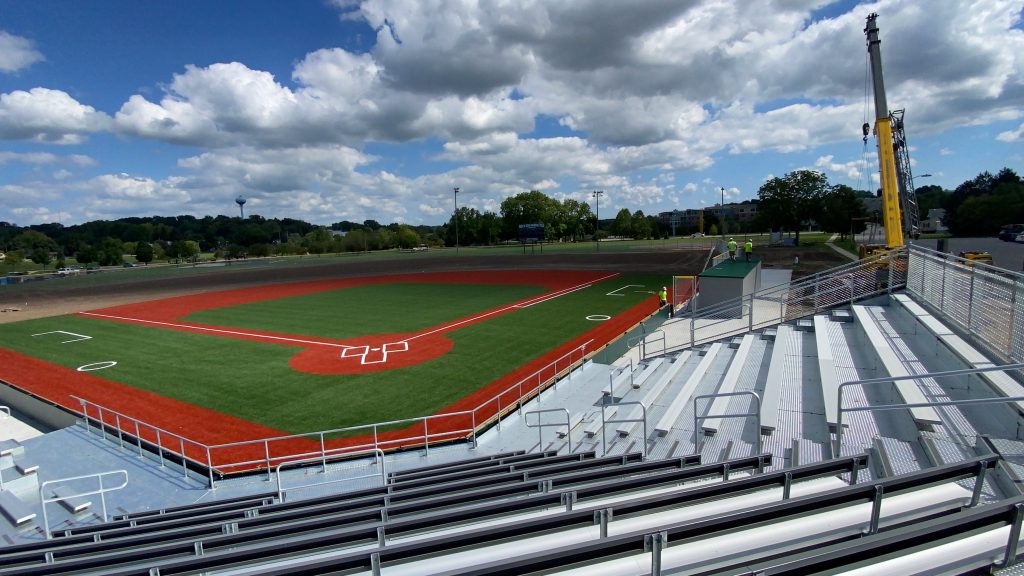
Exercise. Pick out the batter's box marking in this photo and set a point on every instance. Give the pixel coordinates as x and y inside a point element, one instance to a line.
<point>76,338</point>
<point>617,290</point>
<point>375,354</point>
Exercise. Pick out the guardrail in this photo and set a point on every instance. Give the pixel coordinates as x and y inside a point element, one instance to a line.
<point>102,490</point>
<point>377,460</point>
<point>982,300</point>
<point>886,380</point>
<point>540,426</point>
<point>265,453</point>
<point>850,282</point>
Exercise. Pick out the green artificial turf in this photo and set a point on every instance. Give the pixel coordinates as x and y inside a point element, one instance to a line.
<point>362,310</point>
<point>253,380</point>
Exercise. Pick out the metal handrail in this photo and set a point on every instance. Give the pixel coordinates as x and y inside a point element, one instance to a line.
<point>604,422</point>
<point>160,433</point>
<point>522,387</point>
<point>101,491</point>
<point>378,458</point>
<point>756,414</point>
<point>540,427</point>
<point>838,280</point>
<point>5,411</point>
<point>945,374</point>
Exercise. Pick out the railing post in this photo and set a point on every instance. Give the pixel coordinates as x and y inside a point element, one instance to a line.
<point>750,314</point>
<point>426,439</point>
<point>184,460</point>
<point>970,302</point>
<point>942,286</point>
<point>499,412</point>
<point>323,454</point>
<point>159,448</point>
<point>138,438</point>
<point>209,468</point>
<point>1013,320</point>
<point>472,415</point>
<point>266,452</point>
<point>85,416</point>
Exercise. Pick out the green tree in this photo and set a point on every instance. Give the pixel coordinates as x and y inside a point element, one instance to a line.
<point>111,252</point>
<point>641,226</point>
<point>840,207</point>
<point>623,225</point>
<point>531,207</point>
<point>408,238</point>
<point>40,255</point>
<point>791,201</point>
<point>144,252</point>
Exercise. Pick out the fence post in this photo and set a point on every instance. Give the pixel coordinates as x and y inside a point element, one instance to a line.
<point>1013,320</point>
<point>970,302</point>
<point>209,468</point>
<point>184,461</point>
<point>750,312</point>
<point>426,439</point>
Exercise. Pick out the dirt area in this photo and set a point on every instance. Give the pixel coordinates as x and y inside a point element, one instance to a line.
<point>812,258</point>
<point>69,295</point>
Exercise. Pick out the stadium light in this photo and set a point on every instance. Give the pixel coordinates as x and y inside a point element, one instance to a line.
<point>455,216</point>
<point>597,215</point>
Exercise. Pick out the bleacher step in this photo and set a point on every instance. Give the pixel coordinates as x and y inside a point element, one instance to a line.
<point>805,325</point>
<point>71,503</point>
<point>14,509</point>
<point>841,316</point>
<point>769,334</point>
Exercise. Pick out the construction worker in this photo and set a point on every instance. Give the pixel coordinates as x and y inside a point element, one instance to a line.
<point>732,249</point>
<point>748,248</point>
<point>663,299</point>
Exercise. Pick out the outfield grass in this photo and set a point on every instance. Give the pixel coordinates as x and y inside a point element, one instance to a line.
<point>253,381</point>
<point>364,310</point>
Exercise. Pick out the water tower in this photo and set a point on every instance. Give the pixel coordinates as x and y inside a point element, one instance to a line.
<point>241,205</point>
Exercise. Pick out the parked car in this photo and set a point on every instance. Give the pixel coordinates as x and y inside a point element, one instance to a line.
<point>1010,232</point>
<point>1020,238</point>
<point>129,264</point>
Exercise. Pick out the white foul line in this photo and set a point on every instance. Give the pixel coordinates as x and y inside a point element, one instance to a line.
<point>527,304</point>
<point>443,328</point>
<point>216,330</point>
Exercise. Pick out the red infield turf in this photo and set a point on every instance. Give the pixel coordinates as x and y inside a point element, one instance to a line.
<point>321,356</point>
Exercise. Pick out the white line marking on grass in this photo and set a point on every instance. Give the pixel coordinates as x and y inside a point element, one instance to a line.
<point>216,330</point>
<point>79,336</point>
<point>527,304</point>
<point>613,292</point>
<point>598,317</point>
<point>97,366</point>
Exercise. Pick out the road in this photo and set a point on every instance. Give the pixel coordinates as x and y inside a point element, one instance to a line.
<point>1008,255</point>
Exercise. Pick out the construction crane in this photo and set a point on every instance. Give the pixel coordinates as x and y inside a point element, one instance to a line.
<point>900,214</point>
<point>891,213</point>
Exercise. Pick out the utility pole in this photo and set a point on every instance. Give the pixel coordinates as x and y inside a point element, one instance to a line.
<point>721,213</point>
<point>455,216</point>
<point>597,215</point>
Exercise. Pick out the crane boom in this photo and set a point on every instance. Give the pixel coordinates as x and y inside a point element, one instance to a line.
<point>891,217</point>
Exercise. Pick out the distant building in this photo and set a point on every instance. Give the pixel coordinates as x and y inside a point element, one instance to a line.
<point>690,217</point>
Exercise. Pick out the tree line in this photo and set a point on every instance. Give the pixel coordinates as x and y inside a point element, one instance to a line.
<point>977,207</point>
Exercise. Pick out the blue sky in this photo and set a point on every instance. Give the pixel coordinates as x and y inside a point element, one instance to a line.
<point>330,110</point>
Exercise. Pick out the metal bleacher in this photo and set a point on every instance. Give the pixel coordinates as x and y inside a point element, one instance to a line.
<point>878,431</point>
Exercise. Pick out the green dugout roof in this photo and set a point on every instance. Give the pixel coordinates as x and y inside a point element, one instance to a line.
<point>730,269</point>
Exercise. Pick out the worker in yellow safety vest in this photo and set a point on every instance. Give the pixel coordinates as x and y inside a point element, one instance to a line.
<point>748,248</point>
<point>732,249</point>
<point>663,299</point>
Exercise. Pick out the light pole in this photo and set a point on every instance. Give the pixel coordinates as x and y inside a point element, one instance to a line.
<point>455,215</point>
<point>721,213</point>
<point>597,215</point>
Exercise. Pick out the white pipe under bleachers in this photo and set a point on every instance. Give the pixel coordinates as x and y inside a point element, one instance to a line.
<point>823,527</point>
<point>961,556</point>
